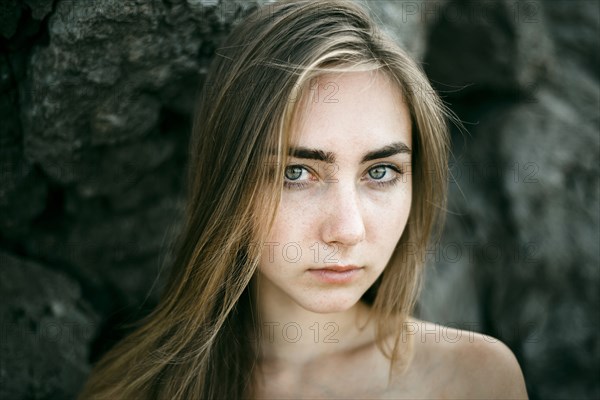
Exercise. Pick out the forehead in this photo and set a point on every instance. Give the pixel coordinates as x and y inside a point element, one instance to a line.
<point>364,109</point>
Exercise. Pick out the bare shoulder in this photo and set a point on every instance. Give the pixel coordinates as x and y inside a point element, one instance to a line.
<point>467,364</point>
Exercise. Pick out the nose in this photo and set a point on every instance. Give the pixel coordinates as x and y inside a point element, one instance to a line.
<point>343,222</point>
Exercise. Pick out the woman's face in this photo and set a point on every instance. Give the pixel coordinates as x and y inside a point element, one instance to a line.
<point>347,194</point>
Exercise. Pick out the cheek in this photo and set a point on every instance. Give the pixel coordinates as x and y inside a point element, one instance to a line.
<point>289,231</point>
<point>293,219</point>
<point>388,222</point>
<point>281,231</point>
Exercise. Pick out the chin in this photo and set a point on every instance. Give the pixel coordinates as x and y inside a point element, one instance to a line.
<point>331,304</point>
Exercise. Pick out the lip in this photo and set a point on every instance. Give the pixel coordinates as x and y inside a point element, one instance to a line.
<point>336,274</point>
<point>337,268</point>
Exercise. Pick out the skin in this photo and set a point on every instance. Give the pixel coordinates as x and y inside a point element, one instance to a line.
<point>317,340</point>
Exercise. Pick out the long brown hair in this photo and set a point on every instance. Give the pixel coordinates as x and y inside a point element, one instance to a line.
<point>198,342</point>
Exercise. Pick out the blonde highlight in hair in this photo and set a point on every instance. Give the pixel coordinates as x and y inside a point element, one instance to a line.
<point>199,342</point>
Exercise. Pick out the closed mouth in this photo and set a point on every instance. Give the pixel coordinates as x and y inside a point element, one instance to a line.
<point>337,268</point>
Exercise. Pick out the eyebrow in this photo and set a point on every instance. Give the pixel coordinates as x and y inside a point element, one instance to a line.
<point>329,157</point>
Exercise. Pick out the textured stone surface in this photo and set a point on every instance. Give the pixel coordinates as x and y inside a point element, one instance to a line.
<point>405,21</point>
<point>10,12</point>
<point>95,104</point>
<point>20,183</point>
<point>493,45</point>
<point>47,330</point>
<point>529,198</point>
<point>554,207</point>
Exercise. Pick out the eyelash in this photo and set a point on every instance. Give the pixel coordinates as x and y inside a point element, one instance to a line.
<point>301,185</point>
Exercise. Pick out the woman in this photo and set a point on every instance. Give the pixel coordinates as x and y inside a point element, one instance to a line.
<point>317,175</point>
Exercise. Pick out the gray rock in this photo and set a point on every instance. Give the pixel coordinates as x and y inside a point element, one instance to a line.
<point>488,45</point>
<point>575,27</point>
<point>10,12</point>
<point>555,198</point>
<point>121,251</point>
<point>407,22</point>
<point>450,294</point>
<point>531,193</point>
<point>39,8</point>
<point>20,183</point>
<point>47,330</point>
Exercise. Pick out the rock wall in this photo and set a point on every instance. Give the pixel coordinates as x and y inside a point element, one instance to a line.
<point>95,105</point>
<point>520,257</point>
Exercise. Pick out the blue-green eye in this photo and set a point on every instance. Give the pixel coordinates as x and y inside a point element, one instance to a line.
<point>293,172</point>
<point>292,175</point>
<point>379,172</point>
